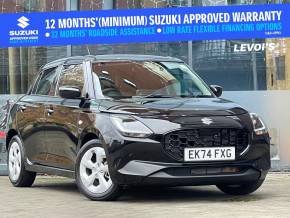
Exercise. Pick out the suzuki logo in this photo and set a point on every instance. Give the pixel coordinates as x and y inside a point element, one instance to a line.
<point>23,22</point>
<point>207,121</point>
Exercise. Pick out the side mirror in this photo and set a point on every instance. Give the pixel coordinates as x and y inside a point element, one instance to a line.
<point>217,90</point>
<point>69,92</point>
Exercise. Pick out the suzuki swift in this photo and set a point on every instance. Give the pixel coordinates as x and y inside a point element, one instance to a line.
<point>113,121</point>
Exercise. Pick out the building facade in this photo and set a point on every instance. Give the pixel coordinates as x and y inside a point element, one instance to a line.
<point>216,61</point>
<point>206,57</point>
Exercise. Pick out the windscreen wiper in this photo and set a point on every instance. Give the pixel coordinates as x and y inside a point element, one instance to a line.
<point>157,96</point>
<point>202,96</point>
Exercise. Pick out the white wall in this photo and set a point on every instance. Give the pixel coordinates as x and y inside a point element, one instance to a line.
<point>274,108</point>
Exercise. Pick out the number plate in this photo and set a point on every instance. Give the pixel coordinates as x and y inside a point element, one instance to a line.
<point>209,154</point>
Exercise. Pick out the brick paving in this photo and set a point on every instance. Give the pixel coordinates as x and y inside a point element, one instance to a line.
<point>59,197</point>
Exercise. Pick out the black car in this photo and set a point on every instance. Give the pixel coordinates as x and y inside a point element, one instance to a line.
<point>113,121</point>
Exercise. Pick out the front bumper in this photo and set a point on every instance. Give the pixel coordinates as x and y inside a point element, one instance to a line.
<point>145,162</point>
<point>152,173</point>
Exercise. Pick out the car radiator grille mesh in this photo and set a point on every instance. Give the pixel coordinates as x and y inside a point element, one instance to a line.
<point>175,142</point>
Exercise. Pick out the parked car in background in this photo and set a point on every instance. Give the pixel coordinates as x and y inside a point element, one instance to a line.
<point>4,114</point>
<point>2,134</point>
<point>112,121</point>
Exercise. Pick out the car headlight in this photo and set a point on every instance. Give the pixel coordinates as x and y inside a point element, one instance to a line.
<point>259,126</point>
<point>130,127</point>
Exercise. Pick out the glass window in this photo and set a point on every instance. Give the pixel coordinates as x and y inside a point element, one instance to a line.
<point>73,76</point>
<point>218,62</point>
<point>149,79</point>
<point>19,66</point>
<point>34,86</point>
<point>280,67</point>
<point>46,85</point>
<point>174,49</point>
<point>85,5</point>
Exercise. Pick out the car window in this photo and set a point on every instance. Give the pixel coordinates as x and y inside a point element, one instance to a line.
<point>35,84</point>
<point>72,76</point>
<point>47,82</point>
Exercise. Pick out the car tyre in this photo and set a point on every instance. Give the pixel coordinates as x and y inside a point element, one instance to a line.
<point>18,176</point>
<point>241,189</point>
<point>92,173</point>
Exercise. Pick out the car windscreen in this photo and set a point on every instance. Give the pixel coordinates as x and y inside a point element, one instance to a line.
<point>126,79</point>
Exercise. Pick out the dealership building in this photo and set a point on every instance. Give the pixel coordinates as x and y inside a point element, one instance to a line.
<point>255,73</point>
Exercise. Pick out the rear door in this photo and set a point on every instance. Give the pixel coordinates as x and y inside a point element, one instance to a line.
<point>62,120</point>
<point>31,119</point>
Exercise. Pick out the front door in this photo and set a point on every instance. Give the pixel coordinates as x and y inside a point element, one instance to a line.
<point>31,119</point>
<point>62,121</point>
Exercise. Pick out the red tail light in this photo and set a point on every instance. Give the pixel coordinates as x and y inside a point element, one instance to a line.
<point>2,135</point>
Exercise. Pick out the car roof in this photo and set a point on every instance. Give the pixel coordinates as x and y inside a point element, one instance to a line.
<point>113,57</point>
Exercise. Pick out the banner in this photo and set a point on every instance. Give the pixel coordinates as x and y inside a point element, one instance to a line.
<point>145,25</point>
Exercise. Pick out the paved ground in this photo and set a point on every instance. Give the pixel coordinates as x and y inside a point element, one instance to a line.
<point>59,197</point>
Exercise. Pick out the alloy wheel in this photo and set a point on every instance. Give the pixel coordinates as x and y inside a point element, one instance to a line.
<point>94,171</point>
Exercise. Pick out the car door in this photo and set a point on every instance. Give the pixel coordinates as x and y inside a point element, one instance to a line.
<point>62,120</point>
<point>31,119</point>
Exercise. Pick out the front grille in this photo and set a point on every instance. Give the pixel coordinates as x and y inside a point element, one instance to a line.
<point>175,142</point>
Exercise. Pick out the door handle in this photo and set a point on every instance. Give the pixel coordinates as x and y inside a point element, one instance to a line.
<point>23,108</point>
<point>50,111</point>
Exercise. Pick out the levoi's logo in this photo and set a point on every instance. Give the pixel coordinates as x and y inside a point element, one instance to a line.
<point>23,22</point>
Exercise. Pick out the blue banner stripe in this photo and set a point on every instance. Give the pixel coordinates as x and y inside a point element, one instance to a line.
<point>145,25</point>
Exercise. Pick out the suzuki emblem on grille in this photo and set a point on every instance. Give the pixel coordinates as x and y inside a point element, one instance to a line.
<point>207,121</point>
